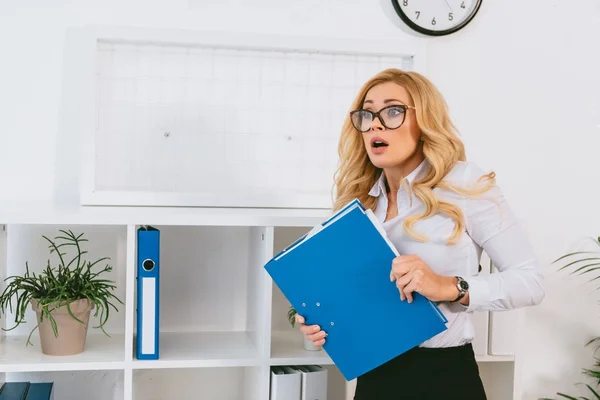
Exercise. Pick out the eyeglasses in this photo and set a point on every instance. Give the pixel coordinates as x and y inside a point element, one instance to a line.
<point>391,117</point>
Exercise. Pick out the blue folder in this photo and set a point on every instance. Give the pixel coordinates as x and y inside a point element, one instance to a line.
<point>14,390</point>
<point>40,391</point>
<point>148,293</point>
<point>338,277</point>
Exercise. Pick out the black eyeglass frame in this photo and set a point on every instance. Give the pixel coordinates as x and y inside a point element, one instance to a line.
<point>377,115</point>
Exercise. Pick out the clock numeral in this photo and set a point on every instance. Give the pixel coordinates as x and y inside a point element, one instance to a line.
<point>418,14</point>
<point>433,21</point>
<point>450,16</point>
<point>405,2</point>
<point>463,5</point>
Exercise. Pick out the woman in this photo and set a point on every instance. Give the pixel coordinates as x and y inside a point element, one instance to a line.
<point>400,155</point>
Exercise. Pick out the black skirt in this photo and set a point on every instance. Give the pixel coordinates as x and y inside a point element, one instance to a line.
<point>424,374</point>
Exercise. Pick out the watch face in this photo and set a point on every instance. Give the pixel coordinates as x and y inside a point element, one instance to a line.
<point>463,285</point>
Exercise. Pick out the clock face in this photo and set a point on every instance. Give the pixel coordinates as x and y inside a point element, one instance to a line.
<point>436,17</point>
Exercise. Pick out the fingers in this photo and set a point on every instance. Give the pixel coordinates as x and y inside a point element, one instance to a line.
<point>414,285</point>
<point>319,337</point>
<point>411,287</point>
<point>402,282</point>
<point>408,284</point>
<point>312,333</point>
<point>402,265</point>
<point>307,329</point>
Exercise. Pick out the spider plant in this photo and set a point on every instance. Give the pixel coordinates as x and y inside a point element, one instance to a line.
<point>61,284</point>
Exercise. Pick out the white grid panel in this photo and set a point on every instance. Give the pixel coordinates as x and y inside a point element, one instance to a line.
<point>226,123</point>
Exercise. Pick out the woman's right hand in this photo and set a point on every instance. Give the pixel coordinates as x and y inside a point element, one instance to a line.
<point>313,333</point>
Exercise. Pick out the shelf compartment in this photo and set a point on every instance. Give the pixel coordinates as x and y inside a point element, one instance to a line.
<point>212,295</point>
<point>77,385</point>
<point>25,244</point>
<point>225,383</point>
<point>203,349</point>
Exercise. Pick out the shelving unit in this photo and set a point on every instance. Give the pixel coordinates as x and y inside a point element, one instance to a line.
<point>223,321</point>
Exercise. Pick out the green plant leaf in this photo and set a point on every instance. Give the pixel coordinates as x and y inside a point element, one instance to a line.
<point>566,396</point>
<point>292,316</point>
<point>590,259</point>
<point>597,396</point>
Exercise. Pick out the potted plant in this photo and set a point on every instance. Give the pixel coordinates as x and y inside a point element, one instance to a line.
<point>62,296</point>
<point>308,345</point>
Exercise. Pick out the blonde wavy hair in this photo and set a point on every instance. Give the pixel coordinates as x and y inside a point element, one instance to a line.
<point>356,175</point>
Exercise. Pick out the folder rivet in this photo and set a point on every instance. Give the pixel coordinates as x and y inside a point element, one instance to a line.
<point>318,304</point>
<point>303,304</point>
<point>331,323</point>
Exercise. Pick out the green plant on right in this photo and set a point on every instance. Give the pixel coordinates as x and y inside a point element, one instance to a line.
<point>591,373</point>
<point>590,260</point>
<point>581,263</point>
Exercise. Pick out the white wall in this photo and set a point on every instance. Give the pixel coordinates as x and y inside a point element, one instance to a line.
<point>521,81</point>
<point>524,86</point>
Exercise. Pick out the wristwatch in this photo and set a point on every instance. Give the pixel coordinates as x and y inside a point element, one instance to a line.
<point>462,287</point>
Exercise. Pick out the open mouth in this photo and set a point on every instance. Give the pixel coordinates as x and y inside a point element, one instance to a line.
<point>378,142</point>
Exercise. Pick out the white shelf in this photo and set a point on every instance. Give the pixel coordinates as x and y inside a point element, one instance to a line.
<point>203,349</point>
<point>101,353</point>
<point>42,213</point>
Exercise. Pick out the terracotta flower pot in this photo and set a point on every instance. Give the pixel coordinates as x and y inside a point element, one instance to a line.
<point>71,333</point>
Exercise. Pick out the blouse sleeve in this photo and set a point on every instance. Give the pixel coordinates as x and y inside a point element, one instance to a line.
<point>491,223</point>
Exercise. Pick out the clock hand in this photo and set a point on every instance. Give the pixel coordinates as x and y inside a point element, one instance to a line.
<point>448,6</point>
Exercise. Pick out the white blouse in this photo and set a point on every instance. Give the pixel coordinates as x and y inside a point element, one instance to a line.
<point>491,226</point>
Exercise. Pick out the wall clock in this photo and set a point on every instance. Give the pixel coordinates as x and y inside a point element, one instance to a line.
<point>436,17</point>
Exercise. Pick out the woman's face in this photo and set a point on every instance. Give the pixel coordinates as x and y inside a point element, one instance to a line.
<point>394,145</point>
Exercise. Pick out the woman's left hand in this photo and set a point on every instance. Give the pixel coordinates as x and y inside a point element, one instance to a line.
<point>411,274</point>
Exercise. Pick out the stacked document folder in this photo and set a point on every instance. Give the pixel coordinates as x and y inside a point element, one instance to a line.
<point>298,382</point>
<point>337,276</point>
<point>27,391</point>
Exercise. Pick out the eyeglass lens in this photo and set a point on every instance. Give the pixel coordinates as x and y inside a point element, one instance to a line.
<point>391,117</point>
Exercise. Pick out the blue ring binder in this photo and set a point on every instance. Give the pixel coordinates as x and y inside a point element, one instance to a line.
<point>148,293</point>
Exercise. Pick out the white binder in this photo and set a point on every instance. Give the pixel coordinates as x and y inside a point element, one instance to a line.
<point>285,383</point>
<point>314,382</point>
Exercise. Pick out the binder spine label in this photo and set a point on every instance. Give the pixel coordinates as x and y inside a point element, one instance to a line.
<point>148,315</point>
